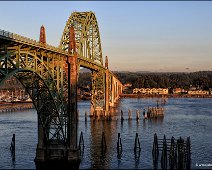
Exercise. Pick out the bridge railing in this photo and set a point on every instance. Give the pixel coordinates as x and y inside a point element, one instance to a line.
<point>29,41</point>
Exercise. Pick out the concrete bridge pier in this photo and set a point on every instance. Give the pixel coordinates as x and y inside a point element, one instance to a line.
<point>58,153</point>
<point>60,158</point>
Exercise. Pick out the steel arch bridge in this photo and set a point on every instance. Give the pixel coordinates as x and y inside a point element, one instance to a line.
<point>49,74</point>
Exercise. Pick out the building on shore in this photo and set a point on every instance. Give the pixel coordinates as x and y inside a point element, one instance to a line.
<point>191,91</point>
<point>199,92</point>
<point>150,91</point>
<point>127,88</point>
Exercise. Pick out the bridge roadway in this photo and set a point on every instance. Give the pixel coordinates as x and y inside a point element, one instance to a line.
<point>14,41</point>
<point>49,74</point>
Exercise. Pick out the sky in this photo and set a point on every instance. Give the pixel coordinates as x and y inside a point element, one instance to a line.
<point>163,36</point>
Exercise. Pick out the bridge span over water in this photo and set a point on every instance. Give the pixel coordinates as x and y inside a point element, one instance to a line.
<point>49,74</point>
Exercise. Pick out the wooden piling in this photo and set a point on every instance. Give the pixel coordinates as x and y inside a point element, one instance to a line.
<point>172,154</point>
<point>188,153</point>
<point>155,149</point>
<point>178,152</point>
<point>119,147</point>
<point>122,116</point>
<point>86,116</point>
<point>137,114</point>
<point>144,112</point>
<point>103,144</point>
<point>137,147</point>
<point>81,144</point>
<point>164,154</point>
<point>129,114</point>
<point>12,147</point>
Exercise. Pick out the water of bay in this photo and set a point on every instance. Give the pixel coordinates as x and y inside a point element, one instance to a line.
<point>183,117</point>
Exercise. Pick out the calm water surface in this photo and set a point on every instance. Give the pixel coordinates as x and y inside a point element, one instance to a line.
<point>183,117</point>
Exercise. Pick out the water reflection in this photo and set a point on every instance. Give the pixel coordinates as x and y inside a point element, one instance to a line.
<point>99,160</point>
<point>153,122</point>
<point>137,151</point>
<point>137,160</point>
<point>110,128</point>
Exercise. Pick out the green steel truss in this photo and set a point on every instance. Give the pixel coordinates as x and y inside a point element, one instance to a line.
<point>42,75</point>
<point>88,48</point>
<point>40,68</point>
<point>87,37</point>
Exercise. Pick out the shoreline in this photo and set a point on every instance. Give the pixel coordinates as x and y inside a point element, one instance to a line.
<point>165,96</point>
<point>15,106</point>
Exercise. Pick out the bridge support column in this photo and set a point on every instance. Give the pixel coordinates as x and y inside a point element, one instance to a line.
<point>106,92</point>
<point>113,92</point>
<point>72,59</point>
<point>40,150</point>
<point>93,91</point>
<point>73,109</point>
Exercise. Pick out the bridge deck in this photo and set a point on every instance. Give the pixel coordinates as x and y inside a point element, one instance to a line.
<point>11,40</point>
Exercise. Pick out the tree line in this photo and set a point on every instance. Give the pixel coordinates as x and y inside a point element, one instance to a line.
<point>201,79</point>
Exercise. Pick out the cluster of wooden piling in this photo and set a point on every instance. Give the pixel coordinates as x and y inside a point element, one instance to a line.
<point>12,107</point>
<point>154,112</point>
<point>151,113</point>
<point>130,115</point>
<point>100,115</point>
<point>137,146</point>
<point>174,153</point>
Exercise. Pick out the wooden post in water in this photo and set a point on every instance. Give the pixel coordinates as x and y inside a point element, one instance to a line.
<point>164,154</point>
<point>137,115</point>
<point>155,149</point>
<point>137,147</point>
<point>81,144</point>
<point>188,153</point>
<point>86,116</point>
<point>12,147</point>
<point>103,145</point>
<point>122,116</point>
<point>180,154</point>
<point>129,114</point>
<point>119,147</point>
<point>172,154</point>
<point>144,113</point>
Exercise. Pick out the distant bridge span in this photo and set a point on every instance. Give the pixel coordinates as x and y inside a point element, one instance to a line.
<point>49,74</point>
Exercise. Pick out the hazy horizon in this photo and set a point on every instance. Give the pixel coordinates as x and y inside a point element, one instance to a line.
<point>167,36</point>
